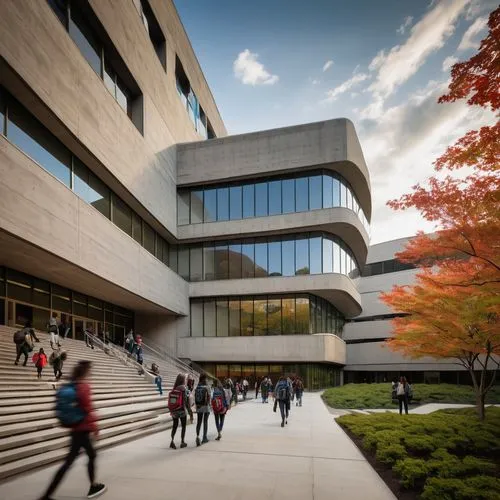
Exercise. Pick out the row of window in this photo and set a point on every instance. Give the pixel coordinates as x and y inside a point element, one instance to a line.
<point>384,267</point>
<point>83,27</point>
<point>190,101</point>
<point>29,135</point>
<point>313,253</point>
<point>267,197</point>
<point>154,31</point>
<point>264,315</point>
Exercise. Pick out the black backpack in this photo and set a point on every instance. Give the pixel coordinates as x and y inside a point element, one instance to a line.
<point>19,337</point>
<point>283,392</point>
<point>201,395</point>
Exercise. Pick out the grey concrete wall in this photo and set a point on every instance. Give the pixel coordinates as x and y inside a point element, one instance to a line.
<point>386,250</point>
<point>336,288</point>
<point>162,330</point>
<point>39,209</point>
<point>367,330</point>
<point>142,167</point>
<point>336,221</point>
<point>322,348</point>
<point>330,144</point>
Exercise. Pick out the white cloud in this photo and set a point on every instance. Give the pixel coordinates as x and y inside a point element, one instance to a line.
<point>449,62</point>
<point>377,61</point>
<point>357,78</point>
<point>327,65</point>
<point>406,24</point>
<point>250,71</point>
<point>469,40</point>
<point>427,36</point>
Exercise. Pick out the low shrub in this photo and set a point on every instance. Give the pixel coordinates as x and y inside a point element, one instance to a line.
<point>473,488</point>
<point>390,453</point>
<point>411,470</point>
<point>421,444</point>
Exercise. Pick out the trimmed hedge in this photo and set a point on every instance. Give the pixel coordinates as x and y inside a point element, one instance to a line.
<point>362,396</point>
<point>448,454</point>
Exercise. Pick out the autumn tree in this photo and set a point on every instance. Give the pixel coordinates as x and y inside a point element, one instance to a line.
<point>454,306</point>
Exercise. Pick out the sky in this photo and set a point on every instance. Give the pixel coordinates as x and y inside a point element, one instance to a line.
<point>382,64</point>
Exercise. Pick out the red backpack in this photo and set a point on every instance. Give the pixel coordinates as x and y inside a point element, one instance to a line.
<point>218,404</point>
<point>176,400</point>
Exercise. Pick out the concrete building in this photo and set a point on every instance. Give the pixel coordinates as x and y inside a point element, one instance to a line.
<point>123,204</point>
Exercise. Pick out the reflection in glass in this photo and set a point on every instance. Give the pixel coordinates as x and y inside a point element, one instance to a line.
<point>260,317</point>
<point>149,238</point>
<point>234,318</point>
<point>274,248</point>
<point>302,315</point>
<point>288,315</point>
<point>209,318</point>
<point>235,202</point>
<point>196,266</point>
<point>301,194</point>
<point>248,201</point>
<point>274,197</point>
<point>196,207</point>
<point>183,262</point>
<point>247,318</point>
<point>261,268</point>
<point>82,35</point>
<point>336,192</point>
<point>122,216</point>
<point>81,180</point>
<point>288,187</point>
<point>235,261</point>
<point>222,318</point>
<point>183,208</point>
<point>315,192</point>
<point>274,316</point>
<point>196,319</point>
<point>208,262</point>
<point>343,194</point>
<point>248,260</point>
<point>336,257</point>
<point>210,205</point>
<point>137,228</point>
<point>99,195</point>
<point>327,191</point>
<point>261,200</point>
<point>288,253</point>
<point>327,255</point>
<point>221,262</point>
<point>223,204</point>
<point>301,256</point>
<point>315,256</point>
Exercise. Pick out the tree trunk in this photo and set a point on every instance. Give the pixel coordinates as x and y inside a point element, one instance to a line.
<point>480,405</point>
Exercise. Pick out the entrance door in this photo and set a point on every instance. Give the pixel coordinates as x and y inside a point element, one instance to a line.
<point>79,326</point>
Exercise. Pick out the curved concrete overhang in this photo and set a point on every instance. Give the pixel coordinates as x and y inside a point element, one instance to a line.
<point>319,348</point>
<point>331,145</point>
<point>338,289</point>
<point>338,221</point>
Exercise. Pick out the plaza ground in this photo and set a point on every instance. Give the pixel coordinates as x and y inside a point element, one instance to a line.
<point>311,458</point>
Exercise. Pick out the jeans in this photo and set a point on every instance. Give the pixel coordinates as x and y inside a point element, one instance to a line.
<point>176,424</point>
<point>78,440</point>
<point>298,395</point>
<point>39,371</point>
<point>202,417</point>
<point>21,349</point>
<point>403,400</point>
<point>219,421</point>
<point>158,381</point>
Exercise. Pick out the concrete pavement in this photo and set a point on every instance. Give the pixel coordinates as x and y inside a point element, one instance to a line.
<point>311,458</point>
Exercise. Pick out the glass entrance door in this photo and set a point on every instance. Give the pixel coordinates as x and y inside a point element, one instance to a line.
<point>80,325</point>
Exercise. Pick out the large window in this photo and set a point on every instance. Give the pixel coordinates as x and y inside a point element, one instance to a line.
<point>268,197</point>
<point>264,315</point>
<point>90,37</point>
<point>154,31</point>
<point>30,136</point>
<point>314,253</point>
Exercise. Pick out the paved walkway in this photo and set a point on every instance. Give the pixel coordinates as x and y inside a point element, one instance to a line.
<point>419,410</point>
<point>311,458</point>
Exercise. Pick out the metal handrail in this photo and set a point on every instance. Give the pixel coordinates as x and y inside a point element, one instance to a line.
<point>160,351</point>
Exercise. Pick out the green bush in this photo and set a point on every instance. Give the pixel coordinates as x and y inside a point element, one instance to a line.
<point>473,488</point>
<point>410,470</point>
<point>390,453</point>
<point>421,444</point>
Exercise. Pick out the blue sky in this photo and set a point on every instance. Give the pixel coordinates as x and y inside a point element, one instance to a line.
<point>382,64</point>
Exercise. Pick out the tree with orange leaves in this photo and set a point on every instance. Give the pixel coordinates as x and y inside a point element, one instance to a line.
<point>454,306</point>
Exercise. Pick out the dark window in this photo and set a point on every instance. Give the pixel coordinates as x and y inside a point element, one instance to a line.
<point>2,113</point>
<point>247,260</point>
<point>222,317</point>
<point>235,202</point>
<point>301,194</point>
<point>288,192</point>
<point>122,216</point>
<point>301,256</point>
<point>288,252</point>
<point>248,201</point>
<point>261,264</point>
<point>154,32</point>
<point>208,262</point>
<point>196,263</point>
<point>223,204</point>
<point>234,318</point>
<point>137,228</point>
<point>221,262</point>
<point>183,262</point>
<point>183,208</point>
<point>235,261</point>
<point>261,199</point>
<point>60,8</point>
<point>38,143</point>
<point>274,197</point>
<point>100,197</point>
<point>197,207</point>
<point>210,205</point>
<point>149,238</point>
<point>274,248</point>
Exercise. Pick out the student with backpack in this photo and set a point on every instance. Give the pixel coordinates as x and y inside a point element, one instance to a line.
<point>25,341</point>
<point>40,360</point>
<point>299,390</point>
<point>57,359</point>
<point>282,397</point>
<point>202,402</point>
<point>220,405</point>
<point>179,407</point>
<point>264,389</point>
<point>75,410</point>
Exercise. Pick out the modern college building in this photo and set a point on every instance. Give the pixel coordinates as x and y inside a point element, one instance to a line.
<point>124,204</point>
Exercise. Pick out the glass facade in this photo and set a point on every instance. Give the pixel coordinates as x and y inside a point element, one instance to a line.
<point>313,253</point>
<point>35,300</point>
<point>267,197</point>
<point>264,315</point>
<point>314,375</point>
<point>385,267</point>
<point>31,137</point>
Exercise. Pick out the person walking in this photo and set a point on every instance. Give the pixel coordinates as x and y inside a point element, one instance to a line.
<point>129,341</point>
<point>57,359</point>
<point>402,393</point>
<point>155,370</point>
<point>178,404</point>
<point>81,432</point>
<point>25,340</point>
<point>282,397</point>
<point>257,386</point>
<point>40,361</point>
<point>264,389</point>
<point>245,386</point>
<point>202,402</point>
<point>220,405</point>
<point>299,390</point>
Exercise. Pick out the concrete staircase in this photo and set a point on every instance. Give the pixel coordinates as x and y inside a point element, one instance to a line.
<point>128,405</point>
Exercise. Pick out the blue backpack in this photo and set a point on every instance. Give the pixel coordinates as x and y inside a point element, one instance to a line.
<point>68,410</point>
